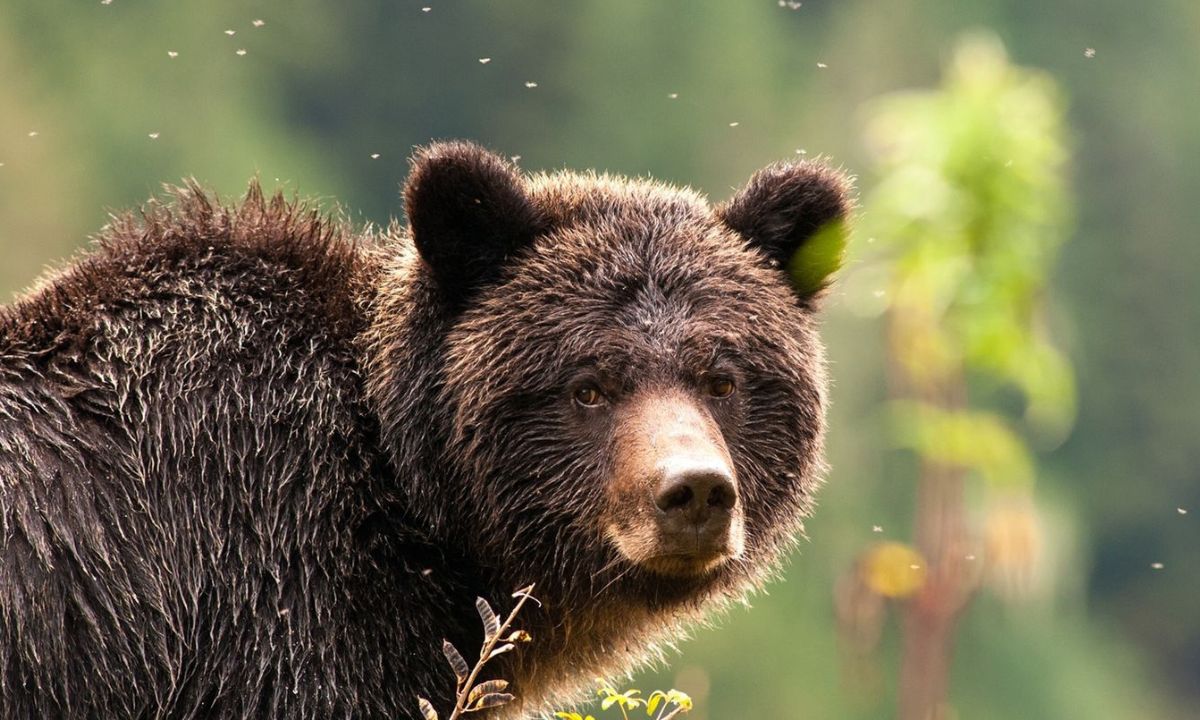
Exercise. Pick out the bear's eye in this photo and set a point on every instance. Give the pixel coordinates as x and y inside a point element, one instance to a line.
<point>719,387</point>
<point>589,396</point>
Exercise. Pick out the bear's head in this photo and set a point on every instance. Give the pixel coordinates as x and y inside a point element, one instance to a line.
<point>605,385</point>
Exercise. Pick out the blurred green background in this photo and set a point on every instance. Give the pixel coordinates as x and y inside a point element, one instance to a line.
<point>102,102</point>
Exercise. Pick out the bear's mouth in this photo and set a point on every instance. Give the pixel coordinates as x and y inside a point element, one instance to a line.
<point>679,552</point>
<point>678,564</point>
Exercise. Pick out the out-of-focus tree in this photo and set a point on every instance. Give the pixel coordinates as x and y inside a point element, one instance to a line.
<point>969,208</point>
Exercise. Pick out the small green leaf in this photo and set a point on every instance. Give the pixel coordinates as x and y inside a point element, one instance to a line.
<point>818,258</point>
<point>682,699</point>
<point>627,700</point>
<point>653,702</point>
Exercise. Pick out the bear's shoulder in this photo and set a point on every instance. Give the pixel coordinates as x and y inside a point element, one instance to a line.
<point>264,255</point>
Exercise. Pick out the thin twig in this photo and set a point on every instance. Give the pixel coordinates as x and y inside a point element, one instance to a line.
<point>489,644</point>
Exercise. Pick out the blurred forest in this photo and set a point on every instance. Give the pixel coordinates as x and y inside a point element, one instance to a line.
<point>104,100</point>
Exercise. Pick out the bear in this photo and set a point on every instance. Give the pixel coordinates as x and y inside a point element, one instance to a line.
<point>255,462</point>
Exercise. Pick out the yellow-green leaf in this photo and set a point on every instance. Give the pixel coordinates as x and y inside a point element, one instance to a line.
<point>653,702</point>
<point>818,258</point>
<point>680,698</point>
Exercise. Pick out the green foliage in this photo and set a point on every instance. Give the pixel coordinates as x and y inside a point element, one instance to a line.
<point>968,207</point>
<point>659,706</point>
<point>979,440</point>
<point>969,211</point>
<point>812,265</point>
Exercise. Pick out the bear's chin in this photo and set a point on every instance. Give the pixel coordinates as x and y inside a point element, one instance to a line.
<point>666,592</point>
<point>685,566</point>
<point>670,580</point>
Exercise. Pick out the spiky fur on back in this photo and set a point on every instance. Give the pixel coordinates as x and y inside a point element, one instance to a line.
<point>184,465</point>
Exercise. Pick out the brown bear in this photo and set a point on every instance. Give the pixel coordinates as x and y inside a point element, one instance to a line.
<point>256,464</point>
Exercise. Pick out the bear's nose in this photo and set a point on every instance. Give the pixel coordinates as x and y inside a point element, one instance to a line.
<point>696,492</point>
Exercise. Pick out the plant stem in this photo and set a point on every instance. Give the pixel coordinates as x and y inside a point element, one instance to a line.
<point>931,616</point>
<point>489,644</point>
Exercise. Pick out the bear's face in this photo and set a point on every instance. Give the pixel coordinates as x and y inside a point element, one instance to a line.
<point>633,390</point>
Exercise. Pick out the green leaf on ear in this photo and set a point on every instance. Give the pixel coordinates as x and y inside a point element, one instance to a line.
<point>818,258</point>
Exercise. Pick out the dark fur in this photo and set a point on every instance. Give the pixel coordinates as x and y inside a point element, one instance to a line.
<point>255,465</point>
<point>780,208</point>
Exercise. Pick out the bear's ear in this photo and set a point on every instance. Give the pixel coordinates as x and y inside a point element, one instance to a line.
<point>467,211</point>
<point>796,214</point>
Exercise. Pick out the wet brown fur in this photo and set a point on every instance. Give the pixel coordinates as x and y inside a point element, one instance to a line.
<point>254,463</point>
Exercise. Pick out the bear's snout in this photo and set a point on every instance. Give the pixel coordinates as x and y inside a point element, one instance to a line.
<point>674,471</point>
